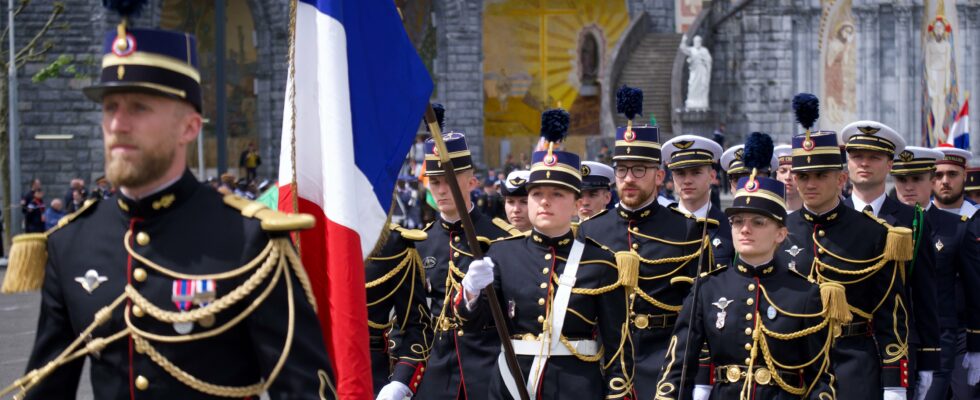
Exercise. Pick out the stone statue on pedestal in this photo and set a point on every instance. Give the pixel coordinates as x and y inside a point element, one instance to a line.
<point>699,80</point>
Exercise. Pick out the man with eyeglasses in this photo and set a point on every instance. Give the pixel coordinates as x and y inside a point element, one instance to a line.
<point>667,241</point>
<point>870,147</point>
<point>870,357</point>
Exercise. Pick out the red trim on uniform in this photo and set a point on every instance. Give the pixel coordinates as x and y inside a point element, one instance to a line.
<point>711,376</point>
<point>903,365</point>
<point>416,376</point>
<point>129,304</point>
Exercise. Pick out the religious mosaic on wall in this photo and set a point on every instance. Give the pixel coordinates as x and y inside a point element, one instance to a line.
<point>542,54</point>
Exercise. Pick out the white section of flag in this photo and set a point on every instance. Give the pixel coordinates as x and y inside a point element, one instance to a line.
<point>326,173</point>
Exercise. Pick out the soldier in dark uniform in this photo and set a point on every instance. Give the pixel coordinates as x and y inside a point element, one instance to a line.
<point>596,192</point>
<point>515,199</point>
<point>491,202</point>
<point>667,241</point>
<point>460,360</point>
<point>865,255</point>
<point>567,308</point>
<point>733,163</point>
<point>971,189</point>
<point>398,316</point>
<point>913,171</point>
<point>766,326</point>
<point>784,174</point>
<point>172,291</point>
<point>690,159</point>
<point>870,147</point>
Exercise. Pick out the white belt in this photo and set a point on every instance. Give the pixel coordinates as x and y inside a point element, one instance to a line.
<point>533,348</point>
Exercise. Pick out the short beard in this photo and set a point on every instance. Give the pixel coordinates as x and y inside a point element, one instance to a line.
<point>141,171</point>
<point>949,200</point>
<point>641,200</point>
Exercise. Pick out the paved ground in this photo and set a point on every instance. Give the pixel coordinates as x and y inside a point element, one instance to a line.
<point>18,321</point>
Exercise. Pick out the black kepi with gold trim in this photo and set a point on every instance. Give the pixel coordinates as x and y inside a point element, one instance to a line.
<point>813,150</point>
<point>150,61</point>
<point>914,160</point>
<point>553,167</point>
<point>972,179</point>
<point>760,195</point>
<point>635,143</point>
<point>459,153</point>
<point>872,136</point>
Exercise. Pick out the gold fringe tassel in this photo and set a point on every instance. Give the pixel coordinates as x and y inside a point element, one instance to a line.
<point>28,256</point>
<point>899,246</point>
<point>629,268</point>
<point>835,306</point>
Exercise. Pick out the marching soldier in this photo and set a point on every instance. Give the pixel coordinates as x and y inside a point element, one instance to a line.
<point>515,200</point>
<point>871,147</point>
<point>398,316</point>
<point>870,357</point>
<point>596,193</point>
<point>690,159</point>
<point>950,184</point>
<point>972,187</point>
<point>734,165</point>
<point>913,171</point>
<point>784,174</point>
<point>566,306</point>
<point>460,360</point>
<point>667,241</point>
<point>182,294</point>
<point>766,326</point>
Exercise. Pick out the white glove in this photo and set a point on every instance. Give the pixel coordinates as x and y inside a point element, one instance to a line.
<point>971,361</point>
<point>922,386</point>
<point>701,392</point>
<point>895,393</point>
<point>394,391</point>
<point>479,276</point>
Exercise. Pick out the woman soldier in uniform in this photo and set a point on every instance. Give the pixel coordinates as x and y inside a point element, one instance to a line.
<point>568,319</point>
<point>766,326</point>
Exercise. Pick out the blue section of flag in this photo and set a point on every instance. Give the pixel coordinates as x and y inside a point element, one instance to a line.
<point>962,141</point>
<point>389,87</point>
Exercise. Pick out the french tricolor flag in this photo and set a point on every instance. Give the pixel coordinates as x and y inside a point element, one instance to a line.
<point>356,94</point>
<point>959,133</point>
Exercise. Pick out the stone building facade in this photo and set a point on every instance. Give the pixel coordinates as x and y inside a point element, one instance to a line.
<point>763,53</point>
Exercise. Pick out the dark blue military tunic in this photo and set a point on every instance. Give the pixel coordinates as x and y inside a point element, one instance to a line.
<point>955,262</point>
<point>526,279</point>
<point>921,287</point>
<point>766,323</point>
<point>461,361</point>
<point>398,316</point>
<point>668,243</point>
<point>184,233</point>
<point>847,246</point>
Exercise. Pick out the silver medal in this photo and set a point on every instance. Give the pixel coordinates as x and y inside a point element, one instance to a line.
<point>183,328</point>
<point>716,242</point>
<point>722,304</point>
<point>771,312</point>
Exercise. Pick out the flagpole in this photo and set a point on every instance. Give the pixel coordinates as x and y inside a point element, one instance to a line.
<point>293,186</point>
<point>470,232</point>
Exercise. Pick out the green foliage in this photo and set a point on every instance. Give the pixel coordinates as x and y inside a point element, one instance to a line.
<point>63,64</point>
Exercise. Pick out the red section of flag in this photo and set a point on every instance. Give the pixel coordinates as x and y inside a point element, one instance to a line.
<point>331,254</point>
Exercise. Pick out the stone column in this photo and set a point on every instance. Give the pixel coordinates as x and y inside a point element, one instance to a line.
<point>459,69</point>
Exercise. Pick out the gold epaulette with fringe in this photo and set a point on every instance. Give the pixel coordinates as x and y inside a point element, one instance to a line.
<point>29,254</point>
<point>272,220</point>
<point>506,226</point>
<point>414,235</point>
<point>898,244</point>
